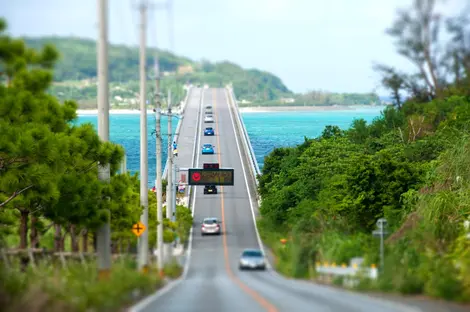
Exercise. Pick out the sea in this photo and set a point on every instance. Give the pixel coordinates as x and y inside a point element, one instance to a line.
<point>267,130</point>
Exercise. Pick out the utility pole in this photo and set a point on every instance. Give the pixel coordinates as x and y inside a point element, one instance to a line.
<point>171,25</point>
<point>170,189</point>
<point>143,239</point>
<point>173,198</point>
<point>158,181</point>
<point>103,244</point>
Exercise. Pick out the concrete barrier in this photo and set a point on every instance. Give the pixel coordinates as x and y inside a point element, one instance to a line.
<point>254,167</point>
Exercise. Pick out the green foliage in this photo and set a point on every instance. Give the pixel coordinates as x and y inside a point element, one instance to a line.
<point>77,66</point>
<point>410,165</point>
<point>327,194</point>
<point>74,289</point>
<point>173,269</point>
<point>49,166</point>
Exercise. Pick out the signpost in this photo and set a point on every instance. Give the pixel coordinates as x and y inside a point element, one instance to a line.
<point>381,232</point>
<point>138,228</point>
<point>211,177</point>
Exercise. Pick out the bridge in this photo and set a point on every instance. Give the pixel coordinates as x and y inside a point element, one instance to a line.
<point>211,280</point>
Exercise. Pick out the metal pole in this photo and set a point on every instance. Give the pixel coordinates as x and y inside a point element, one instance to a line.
<point>158,182</point>
<point>169,188</point>
<point>169,195</point>
<point>173,200</point>
<point>381,245</point>
<point>171,25</point>
<point>103,244</point>
<point>143,239</point>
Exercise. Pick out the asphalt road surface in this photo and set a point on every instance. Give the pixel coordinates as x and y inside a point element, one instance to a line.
<point>212,281</point>
<point>187,134</point>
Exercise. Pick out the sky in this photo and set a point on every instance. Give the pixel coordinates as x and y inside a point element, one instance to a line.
<point>326,45</point>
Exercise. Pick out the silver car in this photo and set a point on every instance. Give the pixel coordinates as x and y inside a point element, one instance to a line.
<point>252,259</point>
<point>209,118</point>
<point>210,226</point>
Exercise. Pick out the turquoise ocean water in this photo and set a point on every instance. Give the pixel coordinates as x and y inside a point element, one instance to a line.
<point>266,131</point>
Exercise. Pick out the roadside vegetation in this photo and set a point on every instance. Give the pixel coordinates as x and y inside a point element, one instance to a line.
<point>51,198</point>
<point>411,166</point>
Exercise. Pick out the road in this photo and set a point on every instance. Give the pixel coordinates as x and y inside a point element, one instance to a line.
<point>212,281</point>
<point>188,133</point>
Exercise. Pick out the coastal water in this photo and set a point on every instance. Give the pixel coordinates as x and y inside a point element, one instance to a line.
<point>276,129</point>
<point>267,130</point>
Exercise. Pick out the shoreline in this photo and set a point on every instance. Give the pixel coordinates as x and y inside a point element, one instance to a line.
<point>253,109</point>
<point>114,111</point>
<point>271,109</point>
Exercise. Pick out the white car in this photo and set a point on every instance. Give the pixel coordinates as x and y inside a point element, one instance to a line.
<point>252,259</point>
<point>210,226</point>
<point>208,118</point>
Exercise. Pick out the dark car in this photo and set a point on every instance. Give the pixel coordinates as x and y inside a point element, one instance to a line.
<point>210,189</point>
<point>209,131</point>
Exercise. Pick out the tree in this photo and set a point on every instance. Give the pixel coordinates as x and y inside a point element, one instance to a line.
<point>48,166</point>
<point>417,33</point>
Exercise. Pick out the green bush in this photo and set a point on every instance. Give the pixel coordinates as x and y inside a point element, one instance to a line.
<point>173,269</point>
<point>168,236</point>
<point>76,288</point>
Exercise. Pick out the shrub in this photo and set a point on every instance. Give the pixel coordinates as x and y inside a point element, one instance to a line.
<point>76,288</point>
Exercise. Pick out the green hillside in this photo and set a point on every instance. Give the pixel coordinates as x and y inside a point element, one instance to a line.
<point>75,75</point>
<point>78,62</point>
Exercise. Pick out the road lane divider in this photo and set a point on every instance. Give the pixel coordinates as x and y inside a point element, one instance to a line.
<point>144,303</point>
<point>257,297</point>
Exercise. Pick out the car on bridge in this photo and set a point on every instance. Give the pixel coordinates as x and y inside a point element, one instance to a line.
<point>210,226</point>
<point>252,259</point>
<point>209,131</point>
<point>208,149</point>
<point>209,118</point>
<point>210,189</point>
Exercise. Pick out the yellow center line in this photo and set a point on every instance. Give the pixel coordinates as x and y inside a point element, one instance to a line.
<point>257,297</point>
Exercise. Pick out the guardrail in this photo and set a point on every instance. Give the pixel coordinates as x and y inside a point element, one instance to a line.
<point>178,128</point>
<point>246,141</point>
<point>350,271</point>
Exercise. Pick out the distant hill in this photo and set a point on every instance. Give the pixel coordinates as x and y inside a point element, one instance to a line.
<point>75,76</point>
<point>78,62</point>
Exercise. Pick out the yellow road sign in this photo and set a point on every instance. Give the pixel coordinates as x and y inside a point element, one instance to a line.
<point>138,228</point>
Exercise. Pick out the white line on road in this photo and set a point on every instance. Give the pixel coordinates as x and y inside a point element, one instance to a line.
<point>159,293</point>
<point>258,237</point>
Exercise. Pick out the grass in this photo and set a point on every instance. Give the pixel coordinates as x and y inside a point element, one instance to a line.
<point>173,270</point>
<point>74,289</point>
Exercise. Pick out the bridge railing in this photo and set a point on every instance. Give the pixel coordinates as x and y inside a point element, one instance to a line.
<point>246,139</point>
<point>178,128</point>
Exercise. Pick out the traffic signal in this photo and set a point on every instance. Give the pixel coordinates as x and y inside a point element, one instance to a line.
<point>211,166</point>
